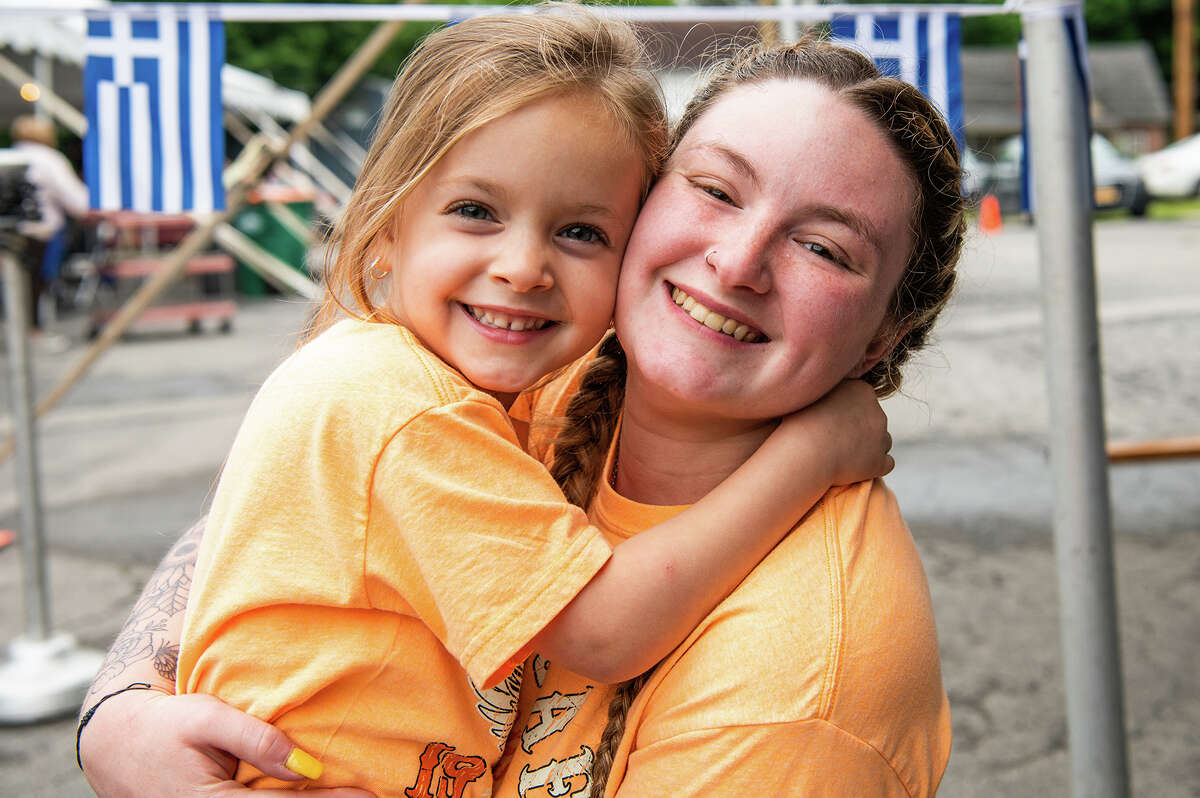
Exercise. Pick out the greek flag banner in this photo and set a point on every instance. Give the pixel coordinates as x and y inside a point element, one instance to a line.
<point>920,47</point>
<point>1076,30</point>
<point>152,92</point>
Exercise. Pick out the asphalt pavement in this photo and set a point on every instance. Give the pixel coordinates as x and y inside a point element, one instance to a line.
<point>129,459</point>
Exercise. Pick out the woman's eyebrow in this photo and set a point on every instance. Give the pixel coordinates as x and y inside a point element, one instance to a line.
<point>735,159</point>
<point>859,224</point>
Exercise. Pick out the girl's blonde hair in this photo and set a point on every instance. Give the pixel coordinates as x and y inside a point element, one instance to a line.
<point>922,140</point>
<point>456,81</point>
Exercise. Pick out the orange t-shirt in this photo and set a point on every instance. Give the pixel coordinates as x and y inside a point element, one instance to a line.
<point>379,553</point>
<point>818,676</point>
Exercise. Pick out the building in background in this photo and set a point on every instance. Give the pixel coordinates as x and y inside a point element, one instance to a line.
<point>1129,97</point>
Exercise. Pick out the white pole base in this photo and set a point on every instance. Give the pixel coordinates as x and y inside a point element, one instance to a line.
<point>43,679</point>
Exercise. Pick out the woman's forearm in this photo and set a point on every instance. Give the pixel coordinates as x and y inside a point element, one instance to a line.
<point>147,647</point>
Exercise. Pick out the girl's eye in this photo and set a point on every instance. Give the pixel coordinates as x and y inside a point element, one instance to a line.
<point>585,233</point>
<point>471,210</point>
<point>823,251</point>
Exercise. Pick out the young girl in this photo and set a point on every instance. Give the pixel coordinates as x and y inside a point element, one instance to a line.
<point>380,551</point>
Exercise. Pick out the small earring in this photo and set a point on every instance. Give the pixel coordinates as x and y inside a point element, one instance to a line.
<point>377,273</point>
<point>708,258</point>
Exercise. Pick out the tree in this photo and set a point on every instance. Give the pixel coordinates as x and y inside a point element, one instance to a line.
<point>304,55</point>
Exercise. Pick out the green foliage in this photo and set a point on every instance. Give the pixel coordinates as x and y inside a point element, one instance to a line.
<point>1125,20</point>
<point>304,55</point>
<point>1174,209</point>
<point>1004,29</point>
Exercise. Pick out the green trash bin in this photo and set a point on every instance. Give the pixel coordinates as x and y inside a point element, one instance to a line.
<point>257,223</point>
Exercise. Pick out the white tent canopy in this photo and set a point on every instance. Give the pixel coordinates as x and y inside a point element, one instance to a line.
<point>62,38</point>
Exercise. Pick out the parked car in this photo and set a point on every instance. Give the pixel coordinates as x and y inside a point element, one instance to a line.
<point>1116,180</point>
<point>1173,171</point>
<point>987,174</point>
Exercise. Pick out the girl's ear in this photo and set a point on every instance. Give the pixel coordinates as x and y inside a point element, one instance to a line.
<point>885,340</point>
<point>384,240</point>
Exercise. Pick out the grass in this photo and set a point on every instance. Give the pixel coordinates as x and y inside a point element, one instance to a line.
<point>1163,210</point>
<point>1173,209</point>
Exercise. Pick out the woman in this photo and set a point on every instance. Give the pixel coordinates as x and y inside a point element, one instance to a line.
<point>818,204</point>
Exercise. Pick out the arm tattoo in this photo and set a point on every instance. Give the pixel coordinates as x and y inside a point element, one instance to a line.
<point>143,637</point>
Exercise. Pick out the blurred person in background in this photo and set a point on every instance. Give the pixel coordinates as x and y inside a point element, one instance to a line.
<point>60,193</point>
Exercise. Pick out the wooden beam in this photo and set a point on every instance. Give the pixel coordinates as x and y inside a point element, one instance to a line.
<point>1154,449</point>
<point>279,274</point>
<point>1184,68</point>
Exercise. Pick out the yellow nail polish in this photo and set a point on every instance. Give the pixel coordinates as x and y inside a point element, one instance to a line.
<point>304,764</point>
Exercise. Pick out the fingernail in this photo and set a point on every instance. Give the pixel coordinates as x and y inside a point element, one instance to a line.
<point>304,764</point>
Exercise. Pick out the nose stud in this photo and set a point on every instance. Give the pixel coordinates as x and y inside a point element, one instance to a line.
<point>708,256</point>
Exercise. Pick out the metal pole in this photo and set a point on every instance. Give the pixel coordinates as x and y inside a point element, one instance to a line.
<point>42,675</point>
<point>1082,525</point>
<point>43,73</point>
<point>37,596</point>
<point>789,29</point>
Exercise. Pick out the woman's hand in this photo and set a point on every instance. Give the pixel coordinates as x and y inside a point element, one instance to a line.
<point>848,430</point>
<point>144,742</point>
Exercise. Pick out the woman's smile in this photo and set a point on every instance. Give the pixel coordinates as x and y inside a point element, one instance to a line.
<point>729,325</point>
<point>761,268</point>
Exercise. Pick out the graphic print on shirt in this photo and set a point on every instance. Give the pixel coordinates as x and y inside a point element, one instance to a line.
<point>566,777</point>
<point>539,665</point>
<point>445,774</point>
<point>498,706</point>
<point>550,715</point>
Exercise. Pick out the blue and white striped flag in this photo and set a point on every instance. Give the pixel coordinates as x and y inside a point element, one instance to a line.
<point>923,48</point>
<point>152,91</point>
<point>1076,32</point>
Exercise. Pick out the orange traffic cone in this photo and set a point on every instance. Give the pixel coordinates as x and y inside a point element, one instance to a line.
<point>989,215</point>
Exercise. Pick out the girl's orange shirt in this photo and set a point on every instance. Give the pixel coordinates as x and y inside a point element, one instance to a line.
<point>379,554</point>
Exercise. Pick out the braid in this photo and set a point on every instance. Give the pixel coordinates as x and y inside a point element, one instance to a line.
<point>614,730</point>
<point>591,419</point>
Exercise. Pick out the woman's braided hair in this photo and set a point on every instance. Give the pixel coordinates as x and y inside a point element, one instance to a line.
<point>921,138</point>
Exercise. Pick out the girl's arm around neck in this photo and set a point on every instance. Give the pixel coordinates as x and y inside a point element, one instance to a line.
<point>661,583</point>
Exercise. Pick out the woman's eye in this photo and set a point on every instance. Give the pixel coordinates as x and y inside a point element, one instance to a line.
<point>585,233</point>
<point>716,193</point>
<point>472,210</point>
<point>823,251</point>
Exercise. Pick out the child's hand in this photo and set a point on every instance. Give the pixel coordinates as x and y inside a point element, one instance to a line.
<point>846,430</point>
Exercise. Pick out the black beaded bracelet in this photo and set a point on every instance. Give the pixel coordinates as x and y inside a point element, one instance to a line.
<point>87,716</point>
